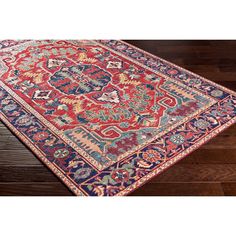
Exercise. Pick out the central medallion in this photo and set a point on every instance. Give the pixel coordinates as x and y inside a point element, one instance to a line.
<point>80,79</point>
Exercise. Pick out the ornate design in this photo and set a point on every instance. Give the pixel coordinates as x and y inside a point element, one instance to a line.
<point>80,79</point>
<point>109,97</point>
<point>105,115</point>
<point>42,94</point>
<point>152,156</point>
<point>61,153</point>
<point>177,139</point>
<point>114,64</point>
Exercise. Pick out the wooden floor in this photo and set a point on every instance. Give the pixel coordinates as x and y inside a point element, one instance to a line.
<point>209,171</point>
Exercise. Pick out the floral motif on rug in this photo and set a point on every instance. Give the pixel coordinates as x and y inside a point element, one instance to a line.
<point>105,116</point>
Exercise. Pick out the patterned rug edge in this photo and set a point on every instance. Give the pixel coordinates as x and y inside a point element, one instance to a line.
<point>131,188</point>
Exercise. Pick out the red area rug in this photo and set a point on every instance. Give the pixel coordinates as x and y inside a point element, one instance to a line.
<point>105,116</point>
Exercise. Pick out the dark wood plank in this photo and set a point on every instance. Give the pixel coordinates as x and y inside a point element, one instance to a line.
<point>4,130</point>
<point>144,44</point>
<point>227,65</point>
<point>179,189</point>
<point>26,174</point>
<point>221,42</point>
<point>228,84</point>
<point>198,173</point>
<point>211,156</point>
<point>22,157</point>
<point>10,142</point>
<point>229,188</point>
<point>202,68</point>
<point>222,141</point>
<point>34,189</point>
<point>218,77</point>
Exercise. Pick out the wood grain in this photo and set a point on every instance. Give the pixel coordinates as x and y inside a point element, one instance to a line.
<point>209,171</point>
<point>34,189</point>
<point>183,189</point>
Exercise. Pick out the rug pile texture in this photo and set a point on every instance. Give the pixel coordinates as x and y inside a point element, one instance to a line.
<point>105,116</point>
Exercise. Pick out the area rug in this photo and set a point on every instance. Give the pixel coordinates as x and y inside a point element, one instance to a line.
<point>103,115</point>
